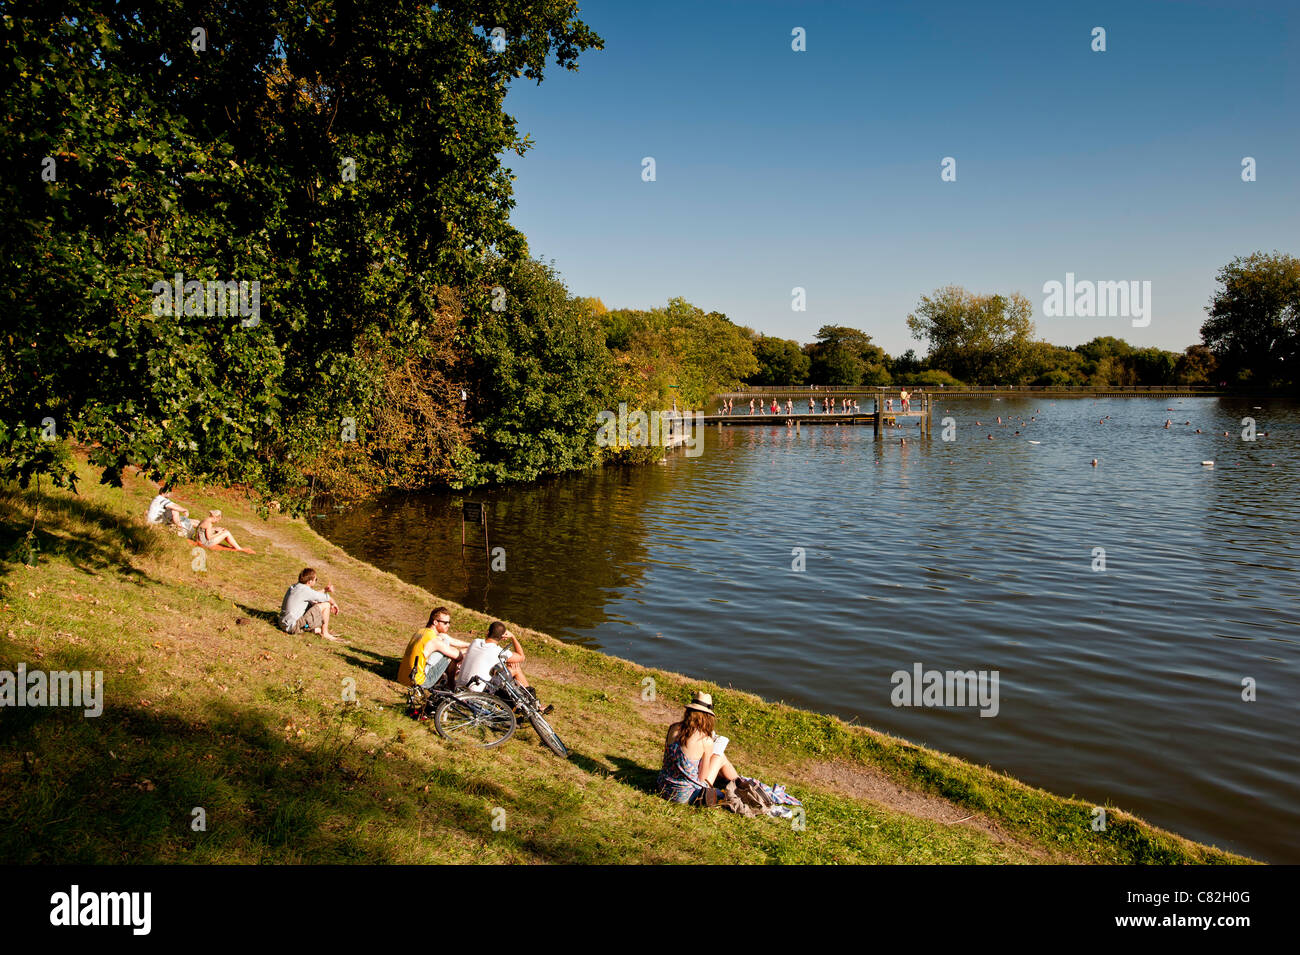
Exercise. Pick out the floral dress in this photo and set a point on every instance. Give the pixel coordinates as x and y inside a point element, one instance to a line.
<point>679,779</point>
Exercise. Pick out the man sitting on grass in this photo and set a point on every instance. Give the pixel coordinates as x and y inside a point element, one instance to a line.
<point>484,654</point>
<point>306,609</point>
<point>430,653</point>
<point>163,510</point>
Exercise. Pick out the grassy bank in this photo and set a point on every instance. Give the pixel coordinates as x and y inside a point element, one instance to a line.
<point>208,706</point>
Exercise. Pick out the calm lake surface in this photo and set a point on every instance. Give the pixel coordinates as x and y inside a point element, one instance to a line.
<point>1123,685</point>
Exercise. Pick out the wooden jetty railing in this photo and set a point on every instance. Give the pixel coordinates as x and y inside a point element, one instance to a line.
<point>746,392</point>
<point>919,409</point>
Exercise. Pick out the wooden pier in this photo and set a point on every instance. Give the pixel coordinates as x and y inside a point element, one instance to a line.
<point>879,419</point>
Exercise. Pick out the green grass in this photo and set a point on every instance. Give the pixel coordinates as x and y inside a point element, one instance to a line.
<point>208,705</point>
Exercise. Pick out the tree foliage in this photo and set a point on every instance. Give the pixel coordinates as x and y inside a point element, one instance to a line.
<point>539,373</point>
<point>231,162</point>
<point>678,353</point>
<point>978,338</point>
<point>846,356</point>
<point>1196,366</point>
<point>1253,327</point>
<point>781,361</point>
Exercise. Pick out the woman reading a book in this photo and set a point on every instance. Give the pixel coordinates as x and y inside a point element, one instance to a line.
<point>694,757</point>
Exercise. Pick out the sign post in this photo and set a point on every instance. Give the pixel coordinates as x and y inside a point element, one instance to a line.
<point>475,512</point>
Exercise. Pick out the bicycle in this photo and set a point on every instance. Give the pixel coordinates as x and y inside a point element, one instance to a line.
<point>505,687</point>
<point>465,717</point>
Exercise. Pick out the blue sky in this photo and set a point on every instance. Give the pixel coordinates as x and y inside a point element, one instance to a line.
<point>821,169</point>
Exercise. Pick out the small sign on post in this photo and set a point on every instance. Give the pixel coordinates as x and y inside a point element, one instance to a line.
<point>475,512</point>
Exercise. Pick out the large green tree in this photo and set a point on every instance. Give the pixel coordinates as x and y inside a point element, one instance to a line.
<point>1254,320</point>
<point>846,356</point>
<point>678,353</point>
<point>977,338</point>
<point>539,373</point>
<point>1196,366</point>
<point>345,156</point>
<point>780,362</point>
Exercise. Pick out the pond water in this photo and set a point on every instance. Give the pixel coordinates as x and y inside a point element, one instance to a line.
<point>1120,675</point>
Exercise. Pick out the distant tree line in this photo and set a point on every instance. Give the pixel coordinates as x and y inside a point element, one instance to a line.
<point>1251,339</point>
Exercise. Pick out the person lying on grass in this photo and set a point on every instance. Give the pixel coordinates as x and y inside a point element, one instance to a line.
<point>163,510</point>
<point>485,652</point>
<point>210,535</point>
<point>431,653</point>
<point>306,609</point>
<point>694,758</point>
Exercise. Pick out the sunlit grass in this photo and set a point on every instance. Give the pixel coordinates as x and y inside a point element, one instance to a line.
<point>209,707</point>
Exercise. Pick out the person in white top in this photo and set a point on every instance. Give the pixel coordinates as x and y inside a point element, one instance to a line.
<point>163,510</point>
<point>485,652</point>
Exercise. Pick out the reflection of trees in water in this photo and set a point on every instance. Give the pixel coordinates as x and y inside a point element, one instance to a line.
<point>569,544</point>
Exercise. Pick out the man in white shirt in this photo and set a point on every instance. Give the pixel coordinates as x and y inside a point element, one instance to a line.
<point>484,653</point>
<point>306,608</point>
<point>163,510</point>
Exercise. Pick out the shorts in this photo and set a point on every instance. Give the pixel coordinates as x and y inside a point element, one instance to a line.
<point>434,669</point>
<point>314,617</point>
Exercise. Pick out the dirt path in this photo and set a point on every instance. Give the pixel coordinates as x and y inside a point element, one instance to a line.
<point>874,786</point>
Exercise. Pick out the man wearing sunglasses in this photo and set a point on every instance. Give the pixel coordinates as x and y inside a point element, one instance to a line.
<point>430,652</point>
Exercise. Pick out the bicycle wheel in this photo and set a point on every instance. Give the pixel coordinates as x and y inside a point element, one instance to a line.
<point>548,736</point>
<point>475,719</point>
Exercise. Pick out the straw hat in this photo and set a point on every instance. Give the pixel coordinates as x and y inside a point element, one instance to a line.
<point>702,702</point>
